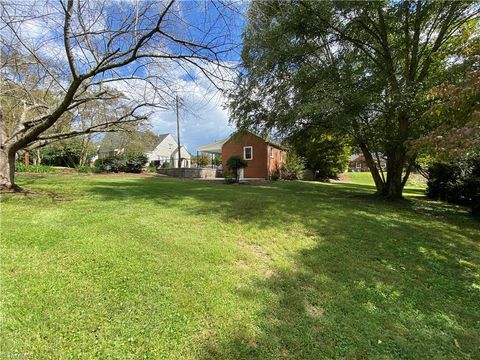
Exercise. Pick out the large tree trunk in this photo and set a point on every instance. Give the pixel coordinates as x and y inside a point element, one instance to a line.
<point>37,160</point>
<point>379,183</point>
<point>7,160</point>
<point>7,169</point>
<point>84,152</point>
<point>394,185</point>
<point>26,158</point>
<point>396,160</point>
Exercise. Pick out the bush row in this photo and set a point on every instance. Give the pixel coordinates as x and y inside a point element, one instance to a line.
<point>21,167</point>
<point>129,163</point>
<point>457,183</point>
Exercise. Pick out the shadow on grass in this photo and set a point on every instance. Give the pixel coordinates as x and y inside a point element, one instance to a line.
<point>381,280</point>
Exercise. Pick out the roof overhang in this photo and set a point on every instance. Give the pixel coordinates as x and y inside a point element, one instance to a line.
<point>213,148</point>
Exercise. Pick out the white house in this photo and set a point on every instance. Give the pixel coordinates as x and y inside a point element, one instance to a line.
<point>167,152</point>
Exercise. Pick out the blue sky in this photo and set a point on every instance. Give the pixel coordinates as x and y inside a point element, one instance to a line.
<point>204,118</point>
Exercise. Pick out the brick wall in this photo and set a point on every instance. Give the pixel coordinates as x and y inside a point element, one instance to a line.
<point>262,164</point>
<point>275,163</point>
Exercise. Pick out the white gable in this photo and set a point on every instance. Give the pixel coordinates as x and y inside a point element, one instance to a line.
<point>167,150</point>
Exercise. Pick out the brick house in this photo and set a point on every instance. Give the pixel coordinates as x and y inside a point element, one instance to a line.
<point>264,157</point>
<point>357,163</point>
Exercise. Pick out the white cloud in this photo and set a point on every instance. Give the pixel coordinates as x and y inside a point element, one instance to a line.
<point>199,125</point>
<point>203,118</point>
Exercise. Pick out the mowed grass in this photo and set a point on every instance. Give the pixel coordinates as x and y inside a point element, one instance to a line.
<point>129,267</point>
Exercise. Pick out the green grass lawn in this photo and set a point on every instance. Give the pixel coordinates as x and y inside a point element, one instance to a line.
<point>414,184</point>
<point>119,267</point>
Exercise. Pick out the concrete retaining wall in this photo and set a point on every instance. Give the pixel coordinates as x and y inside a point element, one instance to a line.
<point>203,173</point>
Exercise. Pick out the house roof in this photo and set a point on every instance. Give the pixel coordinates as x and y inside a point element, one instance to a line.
<point>276,144</point>
<point>162,137</point>
<point>266,139</point>
<point>354,157</point>
<point>361,157</point>
<point>216,147</point>
<point>112,141</point>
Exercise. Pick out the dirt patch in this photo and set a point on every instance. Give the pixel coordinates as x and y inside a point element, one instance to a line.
<point>313,311</point>
<point>269,273</point>
<point>241,264</point>
<point>31,193</point>
<point>342,178</point>
<point>259,252</point>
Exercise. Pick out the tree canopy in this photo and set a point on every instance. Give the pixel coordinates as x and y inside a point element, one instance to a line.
<point>353,68</point>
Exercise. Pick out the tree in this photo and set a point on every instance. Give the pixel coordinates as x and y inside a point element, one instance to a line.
<point>455,118</point>
<point>65,153</point>
<point>294,167</point>
<point>134,139</point>
<point>236,163</point>
<point>325,155</point>
<point>217,159</point>
<point>352,68</point>
<point>92,114</point>
<point>103,51</point>
<point>203,160</point>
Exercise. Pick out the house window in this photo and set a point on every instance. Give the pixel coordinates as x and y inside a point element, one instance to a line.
<point>248,152</point>
<point>271,152</point>
<point>359,165</point>
<point>281,155</point>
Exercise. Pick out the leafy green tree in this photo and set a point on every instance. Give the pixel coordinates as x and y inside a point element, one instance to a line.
<point>235,163</point>
<point>129,163</point>
<point>352,68</point>
<point>293,167</point>
<point>325,155</point>
<point>66,153</point>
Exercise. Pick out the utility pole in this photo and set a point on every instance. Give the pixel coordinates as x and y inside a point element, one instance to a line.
<point>178,136</point>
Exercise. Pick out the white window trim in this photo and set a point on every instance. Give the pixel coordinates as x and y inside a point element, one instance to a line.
<point>358,165</point>
<point>272,152</point>
<point>244,152</point>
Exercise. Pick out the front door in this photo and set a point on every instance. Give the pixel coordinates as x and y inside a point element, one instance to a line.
<point>241,173</point>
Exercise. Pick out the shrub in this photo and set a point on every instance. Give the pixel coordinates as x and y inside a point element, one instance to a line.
<point>151,168</point>
<point>228,179</point>
<point>165,165</point>
<point>130,163</point>
<point>443,179</point>
<point>456,182</point>
<point>326,155</point>
<point>307,174</point>
<point>293,167</point>
<point>275,175</point>
<point>83,169</point>
<point>65,153</point>
<point>236,163</point>
<point>203,160</point>
<point>21,167</point>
